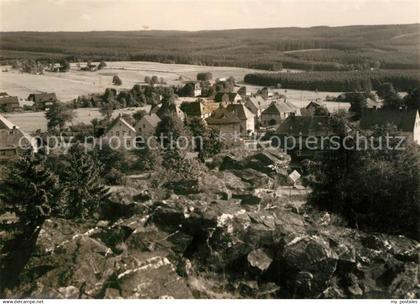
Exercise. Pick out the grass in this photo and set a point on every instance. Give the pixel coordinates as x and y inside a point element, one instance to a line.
<point>70,85</point>
<point>33,121</point>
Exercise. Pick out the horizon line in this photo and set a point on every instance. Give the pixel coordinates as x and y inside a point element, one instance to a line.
<point>212,30</point>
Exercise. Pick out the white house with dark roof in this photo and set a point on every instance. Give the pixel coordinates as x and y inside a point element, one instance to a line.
<point>120,133</point>
<point>14,141</point>
<point>277,112</point>
<point>146,126</point>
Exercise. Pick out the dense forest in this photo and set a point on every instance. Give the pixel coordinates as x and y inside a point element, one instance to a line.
<point>316,48</point>
<point>348,81</point>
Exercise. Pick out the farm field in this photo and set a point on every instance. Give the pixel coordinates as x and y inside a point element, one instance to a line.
<point>72,84</point>
<point>33,121</point>
<point>69,85</point>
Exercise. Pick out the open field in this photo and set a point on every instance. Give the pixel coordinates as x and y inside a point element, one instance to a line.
<point>32,121</point>
<point>69,85</point>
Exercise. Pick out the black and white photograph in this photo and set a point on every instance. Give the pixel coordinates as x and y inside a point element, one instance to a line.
<point>209,150</point>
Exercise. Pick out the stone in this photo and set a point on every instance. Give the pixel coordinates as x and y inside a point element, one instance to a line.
<point>269,161</point>
<point>255,178</point>
<point>153,278</point>
<point>258,258</point>
<point>312,255</point>
<point>230,162</point>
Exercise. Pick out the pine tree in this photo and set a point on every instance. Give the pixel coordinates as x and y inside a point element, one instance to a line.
<point>83,183</point>
<point>32,192</point>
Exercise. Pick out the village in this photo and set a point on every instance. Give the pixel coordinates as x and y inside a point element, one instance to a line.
<point>221,104</point>
<point>216,217</point>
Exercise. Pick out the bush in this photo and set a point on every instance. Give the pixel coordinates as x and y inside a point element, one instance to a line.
<point>205,76</point>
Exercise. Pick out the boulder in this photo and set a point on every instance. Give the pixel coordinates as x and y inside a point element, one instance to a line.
<point>154,277</point>
<point>255,178</point>
<point>258,258</point>
<point>312,262</point>
<point>233,182</point>
<point>232,163</point>
<point>184,187</point>
<point>270,162</point>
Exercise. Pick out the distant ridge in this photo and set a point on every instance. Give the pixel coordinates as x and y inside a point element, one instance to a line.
<point>392,46</point>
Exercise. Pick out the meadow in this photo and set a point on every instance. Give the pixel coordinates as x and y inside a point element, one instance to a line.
<point>32,121</point>
<point>74,83</point>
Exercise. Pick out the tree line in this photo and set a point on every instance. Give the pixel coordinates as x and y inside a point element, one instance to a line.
<point>349,81</point>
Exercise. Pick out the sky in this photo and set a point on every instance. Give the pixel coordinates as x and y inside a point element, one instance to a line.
<point>192,15</point>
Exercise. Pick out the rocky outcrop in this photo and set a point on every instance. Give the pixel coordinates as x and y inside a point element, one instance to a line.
<point>216,245</point>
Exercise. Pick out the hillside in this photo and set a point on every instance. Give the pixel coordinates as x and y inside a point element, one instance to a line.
<point>316,48</point>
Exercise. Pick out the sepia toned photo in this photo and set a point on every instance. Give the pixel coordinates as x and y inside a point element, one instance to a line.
<point>209,149</point>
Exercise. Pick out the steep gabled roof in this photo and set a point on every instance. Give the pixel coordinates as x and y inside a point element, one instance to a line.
<point>254,103</point>
<point>9,100</point>
<point>278,107</point>
<point>161,109</point>
<point>222,116</point>
<point>219,96</point>
<point>306,126</point>
<point>404,120</point>
<point>152,119</point>
<point>315,103</point>
<point>42,97</point>
<point>123,121</point>
<point>195,108</point>
<point>198,108</point>
<point>5,137</point>
<point>5,123</point>
<point>242,112</point>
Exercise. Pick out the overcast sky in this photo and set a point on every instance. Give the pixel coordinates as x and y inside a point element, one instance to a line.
<point>88,15</point>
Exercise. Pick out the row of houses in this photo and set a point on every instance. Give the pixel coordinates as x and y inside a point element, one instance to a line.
<point>407,123</point>
<point>41,101</point>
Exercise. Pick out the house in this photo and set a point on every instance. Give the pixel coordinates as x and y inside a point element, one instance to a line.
<point>54,67</point>
<point>265,93</point>
<point>13,141</point>
<point>243,91</point>
<point>163,108</point>
<point>373,104</point>
<point>120,134</point>
<point>146,126</point>
<point>227,97</point>
<point>89,67</point>
<point>246,117</point>
<point>193,88</point>
<point>312,108</point>
<point>253,103</point>
<point>372,100</point>
<point>42,101</point>
<point>8,103</point>
<point>199,109</point>
<point>276,112</point>
<point>295,130</point>
<point>406,121</point>
<point>225,122</point>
